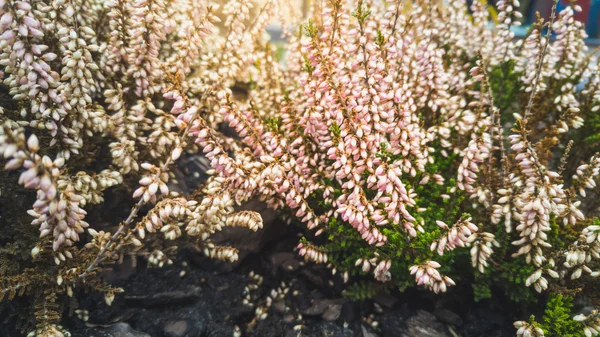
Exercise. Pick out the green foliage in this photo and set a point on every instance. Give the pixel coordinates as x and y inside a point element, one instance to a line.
<point>335,130</point>
<point>380,41</point>
<point>591,129</point>
<point>558,321</point>
<point>511,279</point>
<point>308,67</point>
<point>273,123</point>
<point>505,86</point>
<point>361,14</point>
<point>310,29</point>
<point>364,290</point>
<point>481,287</point>
<point>560,235</point>
<point>510,273</point>
<point>345,245</point>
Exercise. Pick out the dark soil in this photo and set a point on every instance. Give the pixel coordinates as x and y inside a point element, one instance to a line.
<point>197,297</point>
<point>194,298</point>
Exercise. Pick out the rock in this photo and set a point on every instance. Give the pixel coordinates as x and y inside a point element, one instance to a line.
<point>316,309</point>
<point>385,299</point>
<point>422,324</point>
<point>392,323</point>
<point>290,265</point>
<point>190,173</point>
<point>325,329</point>
<point>319,307</point>
<point>587,310</point>
<point>448,317</point>
<point>285,260</point>
<point>425,324</point>
<point>280,257</point>
<point>90,332</point>
<point>316,294</point>
<point>124,330</point>
<point>119,272</point>
<point>179,297</point>
<point>246,241</point>
<point>333,330</point>
<point>483,322</point>
<point>332,312</point>
<point>366,332</point>
<point>294,333</point>
<point>349,312</point>
<point>279,306</point>
<point>318,280</point>
<point>176,329</point>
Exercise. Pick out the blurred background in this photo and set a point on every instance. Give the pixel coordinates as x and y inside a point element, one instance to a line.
<point>590,14</point>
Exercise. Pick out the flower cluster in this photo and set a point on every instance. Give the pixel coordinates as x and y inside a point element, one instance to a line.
<point>460,234</point>
<point>428,275</point>
<point>590,322</point>
<point>526,329</point>
<point>482,250</point>
<point>579,255</point>
<point>384,125</point>
<point>311,253</point>
<point>387,123</point>
<point>105,97</point>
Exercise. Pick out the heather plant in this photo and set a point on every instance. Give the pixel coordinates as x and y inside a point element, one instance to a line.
<point>410,140</point>
<point>99,101</point>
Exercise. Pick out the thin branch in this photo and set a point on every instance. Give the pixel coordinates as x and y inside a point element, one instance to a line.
<point>496,118</point>
<point>541,62</point>
<point>336,9</point>
<point>134,211</point>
